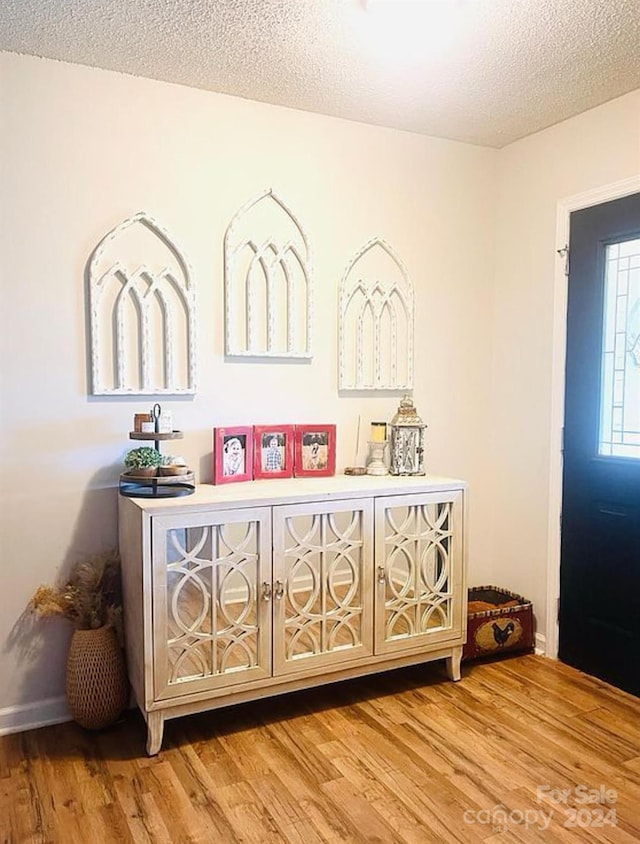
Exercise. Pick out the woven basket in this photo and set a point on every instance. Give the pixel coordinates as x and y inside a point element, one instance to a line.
<point>97,688</point>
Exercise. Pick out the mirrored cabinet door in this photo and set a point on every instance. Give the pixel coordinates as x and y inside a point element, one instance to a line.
<point>418,570</point>
<point>212,592</point>
<point>322,602</point>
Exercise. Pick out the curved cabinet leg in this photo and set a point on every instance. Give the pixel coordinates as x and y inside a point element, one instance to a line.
<point>453,664</point>
<point>155,729</point>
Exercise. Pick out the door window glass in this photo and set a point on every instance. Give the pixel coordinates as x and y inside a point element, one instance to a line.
<point>620,395</point>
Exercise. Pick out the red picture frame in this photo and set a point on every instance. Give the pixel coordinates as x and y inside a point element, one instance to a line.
<point>232,454</point>
<point>272,451</point>
<point>315,451</point>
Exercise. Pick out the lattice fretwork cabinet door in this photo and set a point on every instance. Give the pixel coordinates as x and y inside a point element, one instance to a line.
<point>211,600</point>
<point>322,597</point>
<point>418,570</point>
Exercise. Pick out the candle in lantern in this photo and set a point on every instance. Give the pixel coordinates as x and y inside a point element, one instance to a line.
<point>378,432</point>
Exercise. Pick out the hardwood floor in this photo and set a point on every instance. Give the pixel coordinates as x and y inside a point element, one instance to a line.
<point>512,753</point>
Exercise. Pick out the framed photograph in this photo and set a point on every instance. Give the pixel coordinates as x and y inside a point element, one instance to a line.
<point>272,451</point>
<point>315,450</point>
<point>232,455</point>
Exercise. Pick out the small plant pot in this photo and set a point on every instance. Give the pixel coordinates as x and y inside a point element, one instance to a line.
<point>173,470</point>
<point>143,472</point>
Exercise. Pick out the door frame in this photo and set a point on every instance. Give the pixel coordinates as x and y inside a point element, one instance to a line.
<point>566,206</point>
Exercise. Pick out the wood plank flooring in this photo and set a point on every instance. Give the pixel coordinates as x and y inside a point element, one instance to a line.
<point>521,750</point>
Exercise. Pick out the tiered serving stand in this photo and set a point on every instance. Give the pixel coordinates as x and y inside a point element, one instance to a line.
<point>156,486</point>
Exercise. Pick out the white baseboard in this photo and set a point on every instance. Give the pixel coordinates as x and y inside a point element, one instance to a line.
<point>541,644</point>
<point>30,716</point>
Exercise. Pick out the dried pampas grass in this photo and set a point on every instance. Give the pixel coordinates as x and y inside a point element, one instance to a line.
<point>91,597</point>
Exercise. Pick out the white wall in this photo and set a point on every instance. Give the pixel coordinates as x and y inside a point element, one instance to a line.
<point>597,148</point>
<point>80,150</point>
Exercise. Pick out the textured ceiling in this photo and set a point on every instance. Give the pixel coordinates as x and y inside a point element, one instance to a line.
<point>482,71</point>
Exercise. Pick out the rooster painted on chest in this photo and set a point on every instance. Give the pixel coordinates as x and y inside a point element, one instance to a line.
<point>501,634</point>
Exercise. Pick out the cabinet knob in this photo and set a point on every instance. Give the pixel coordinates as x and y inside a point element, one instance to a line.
<point>381,574</point>
<point>266,591</point>
<point>279,589</point>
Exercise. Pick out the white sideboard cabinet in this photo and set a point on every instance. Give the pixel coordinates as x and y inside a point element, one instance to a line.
<point>247,590</point>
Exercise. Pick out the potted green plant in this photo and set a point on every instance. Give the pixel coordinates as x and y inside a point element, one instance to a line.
<point>173,465</point>
<point>143,461</point>
<point>96,683</point>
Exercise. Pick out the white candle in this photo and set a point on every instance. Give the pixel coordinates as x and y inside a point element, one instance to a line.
<point>378,432</point>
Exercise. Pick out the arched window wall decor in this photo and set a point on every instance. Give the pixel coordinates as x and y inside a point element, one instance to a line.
<point>268,282</point>
<point>376,321</point>
<point>142,313</point>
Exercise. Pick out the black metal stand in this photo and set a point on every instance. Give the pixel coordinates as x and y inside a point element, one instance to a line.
<point>155,486</point>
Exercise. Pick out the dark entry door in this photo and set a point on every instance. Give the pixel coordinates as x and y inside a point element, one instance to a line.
<point>600,550</point>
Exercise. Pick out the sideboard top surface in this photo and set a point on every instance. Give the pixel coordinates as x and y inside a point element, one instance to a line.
<point>294,491</point>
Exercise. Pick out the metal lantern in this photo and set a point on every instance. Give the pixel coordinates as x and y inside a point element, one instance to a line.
<point>407,440</point>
